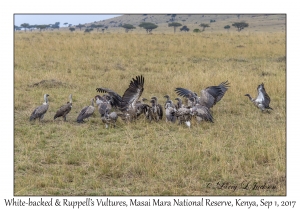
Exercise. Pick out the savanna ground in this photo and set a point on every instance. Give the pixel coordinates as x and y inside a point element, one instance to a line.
<point>242,146</point>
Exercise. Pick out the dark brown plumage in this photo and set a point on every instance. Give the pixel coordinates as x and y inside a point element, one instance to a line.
<point>64,110</point>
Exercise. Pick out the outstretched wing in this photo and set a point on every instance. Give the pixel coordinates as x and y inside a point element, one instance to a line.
<point>185,93</point>
<point>206,99</point>
<point>267,99</point>
<point>115,97</point>
<point>224,87</point>
<point>133,92</point>
<point>191,96</point>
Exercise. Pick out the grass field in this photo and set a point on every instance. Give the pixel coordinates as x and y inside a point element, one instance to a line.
<point>243,146</point>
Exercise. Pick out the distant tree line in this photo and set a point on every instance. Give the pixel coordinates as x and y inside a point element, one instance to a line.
<point>148,26</point>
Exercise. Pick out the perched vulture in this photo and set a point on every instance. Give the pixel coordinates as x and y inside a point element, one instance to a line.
<point>86,112</point>
<point>156,111</point>
<point>64,110</point>
<point>40,111</point>
<point>170,112</point>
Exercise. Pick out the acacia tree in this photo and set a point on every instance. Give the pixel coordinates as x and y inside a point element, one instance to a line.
<point>148,26</point>
<point>31,27</point>
<point>72,29</point>
<point>184,28</point>
<point>240,25</point>
<point>42,27</point>
<point>88,30</point>
<point>98,27</point>
<point>227,27</point>
<point>175,25</point>
<point>128,27</point>
<point>25,26</point>
<point>55,25</point>
<point>204,25</point>
<point>80,26</point>
<point>17,28</point>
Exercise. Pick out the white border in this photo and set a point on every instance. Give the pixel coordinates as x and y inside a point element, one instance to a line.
<point>154,6</point>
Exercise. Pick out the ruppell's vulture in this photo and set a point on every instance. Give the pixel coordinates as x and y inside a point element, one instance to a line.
<point>64,110</point>
<point>156,110</point>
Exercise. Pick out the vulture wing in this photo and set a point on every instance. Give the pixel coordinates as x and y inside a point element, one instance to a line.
<point>115,97</point>
<point>133,92</point>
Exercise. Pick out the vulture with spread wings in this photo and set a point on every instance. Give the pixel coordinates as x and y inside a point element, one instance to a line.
<point>127,103</point>
<point>262,100</point>
<point>208,96</point>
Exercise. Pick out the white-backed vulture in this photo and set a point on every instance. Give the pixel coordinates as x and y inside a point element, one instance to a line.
<point>86,112</point>
<point>40,111</point>
<point>170,112</point>
<point>208,96</point>
<point>64,110</point>
<point>262,100</point>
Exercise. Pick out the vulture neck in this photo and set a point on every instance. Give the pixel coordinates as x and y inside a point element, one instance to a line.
<point>45,99</point>
<point>70,97</point>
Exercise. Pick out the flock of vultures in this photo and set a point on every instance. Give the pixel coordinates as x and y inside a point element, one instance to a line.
<point>129,107</point>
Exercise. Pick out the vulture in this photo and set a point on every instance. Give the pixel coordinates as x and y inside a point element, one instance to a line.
<point>202,113</point>
<point>104,107</point>
<point>86,112</point>
<point>40,111</point>
<point>156,111</point>
<point>170,112</point>
<point>127,103</point>
<point>208,96</point>
<point>169,101</point>
<point>142,108</point>
<point>184,114</point>
<point>64,110</point>
<point>262,100</point>
<point>109,118</point>
<point>179,103</point>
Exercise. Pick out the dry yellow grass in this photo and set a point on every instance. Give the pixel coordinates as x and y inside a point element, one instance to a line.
<point>142,158</point>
